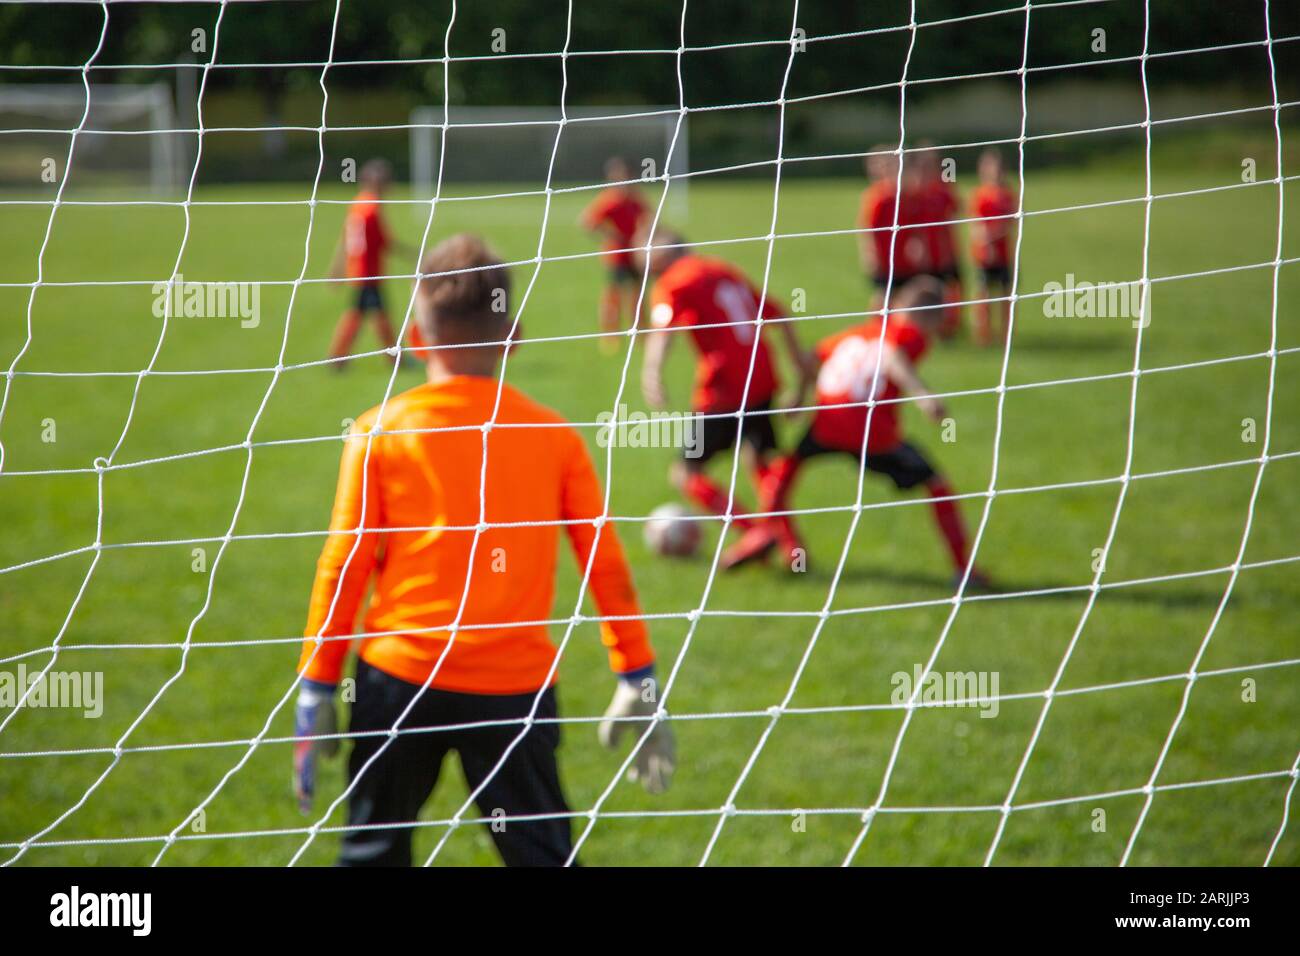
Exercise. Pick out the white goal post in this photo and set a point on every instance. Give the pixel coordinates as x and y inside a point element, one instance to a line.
<point>513,144</point>
<point>129,137</point>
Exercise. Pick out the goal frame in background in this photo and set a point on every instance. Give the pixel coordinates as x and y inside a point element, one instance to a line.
<point>108,103</point>
<point>426,123</point>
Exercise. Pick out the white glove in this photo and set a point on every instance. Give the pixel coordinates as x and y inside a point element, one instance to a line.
<point>314,715</point>
<point>657,756</point>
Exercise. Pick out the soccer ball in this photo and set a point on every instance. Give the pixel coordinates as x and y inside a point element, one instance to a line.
<point>670,532</point>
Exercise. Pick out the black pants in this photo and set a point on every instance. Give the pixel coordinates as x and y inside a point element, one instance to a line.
<point>717,434</point>
<point>400,780</point>
<point>904,465</point>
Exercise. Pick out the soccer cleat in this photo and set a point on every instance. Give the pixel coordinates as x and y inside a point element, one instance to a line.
<point>790,548</point>
<point>753,545</point>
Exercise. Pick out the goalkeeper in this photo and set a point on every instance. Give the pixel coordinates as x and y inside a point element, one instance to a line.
<point>404,520</point>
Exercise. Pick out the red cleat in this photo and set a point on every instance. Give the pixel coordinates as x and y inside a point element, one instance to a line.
<point>753,545</point>
<point>791,551</point>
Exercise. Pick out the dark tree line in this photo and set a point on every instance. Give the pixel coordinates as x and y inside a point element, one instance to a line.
<point>386,56</point>
<point>288,31</point>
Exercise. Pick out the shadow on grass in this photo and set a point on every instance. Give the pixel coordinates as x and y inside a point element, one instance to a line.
<point>1022,589</point>
<point>1071,344</point>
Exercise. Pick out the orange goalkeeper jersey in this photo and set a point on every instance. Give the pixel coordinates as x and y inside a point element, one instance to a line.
<point>421,494</point>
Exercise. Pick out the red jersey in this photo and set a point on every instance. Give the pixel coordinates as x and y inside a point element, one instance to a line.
<point>848,366</point>
<point>940,206</point>
<point>990,246</point>
<point>877,213</point>
<point>617,212</point>
<point>719,305</point>
<point>365,240</point>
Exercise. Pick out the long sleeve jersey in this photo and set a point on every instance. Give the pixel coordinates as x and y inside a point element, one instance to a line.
<point>419,488</point>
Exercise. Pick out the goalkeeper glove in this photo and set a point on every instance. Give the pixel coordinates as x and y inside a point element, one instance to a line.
<point>636,697</point>
<point>313,716</point>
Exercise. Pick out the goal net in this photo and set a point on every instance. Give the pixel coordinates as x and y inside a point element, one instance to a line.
<point>1121,689</point>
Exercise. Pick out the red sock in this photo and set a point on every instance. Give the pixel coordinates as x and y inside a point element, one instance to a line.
<point>763,476</point>
<point>775,482</point>
<point>953,312</point>
<point>774,492</point>
<point>704,490</point>
<point>948,518</point>
<point>346,330</point>
<point>983,330</point>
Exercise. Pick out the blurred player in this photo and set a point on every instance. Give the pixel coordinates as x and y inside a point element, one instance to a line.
<point>718,305</point>
<point>844,386</point>
<point>991,246</point>
<point>939,206</point>
<point>360,256</point>
<point>417,496</point>
<point>614,215</point>
<point>877,213</point>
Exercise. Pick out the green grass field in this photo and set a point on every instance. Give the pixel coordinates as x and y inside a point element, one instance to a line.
<point>143,589</point>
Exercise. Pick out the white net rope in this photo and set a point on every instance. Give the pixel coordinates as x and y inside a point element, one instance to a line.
<point>588,818</point>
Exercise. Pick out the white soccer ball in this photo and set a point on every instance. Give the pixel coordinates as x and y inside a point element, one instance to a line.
<point>671,532</point>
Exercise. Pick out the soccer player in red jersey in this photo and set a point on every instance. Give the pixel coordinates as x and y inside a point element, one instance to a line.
<point>878,212</point>
<point>360,256</point>
<point>993,230</point>
<point>940,207</point>
<point>720,307</point>
<point>844,389</point>
<point>615,214</point>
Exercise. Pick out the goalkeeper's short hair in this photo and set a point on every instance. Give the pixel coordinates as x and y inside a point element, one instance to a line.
<point>464,291</point>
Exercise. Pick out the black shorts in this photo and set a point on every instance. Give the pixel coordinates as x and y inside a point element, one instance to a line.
<point>947,274</point>
<point>903,465</point>
<point>623,274</point>
<point>369,297</point>
<point>714,433</point>
<point>996,275</point>
<point>396,785</point>
<point>881,279</point>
